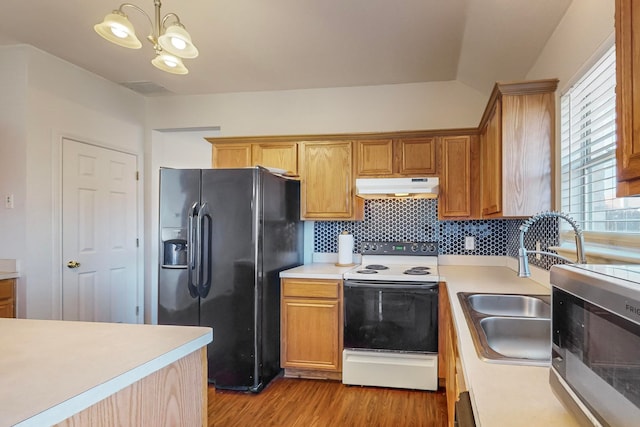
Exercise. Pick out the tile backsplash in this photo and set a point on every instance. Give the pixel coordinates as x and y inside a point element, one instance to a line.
<point>417,219</point>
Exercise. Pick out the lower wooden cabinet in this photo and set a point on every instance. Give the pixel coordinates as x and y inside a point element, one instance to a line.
<point>8,298</point>
<point>311,328</point>
<point>449,367</point>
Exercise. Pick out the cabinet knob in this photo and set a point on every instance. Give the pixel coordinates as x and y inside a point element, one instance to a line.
<point>73,264</point>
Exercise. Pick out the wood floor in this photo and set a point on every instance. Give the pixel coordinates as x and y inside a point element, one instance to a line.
<point>288,402</point>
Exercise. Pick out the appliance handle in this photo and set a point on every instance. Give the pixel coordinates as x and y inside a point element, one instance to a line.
<point>204,250</point>
<point>192,215</point>
<point>375,284</point>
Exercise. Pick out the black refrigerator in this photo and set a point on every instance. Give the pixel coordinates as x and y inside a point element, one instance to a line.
<point>225,235</point>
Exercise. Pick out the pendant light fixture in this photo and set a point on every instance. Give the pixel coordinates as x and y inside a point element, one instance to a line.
<point>170,40</point>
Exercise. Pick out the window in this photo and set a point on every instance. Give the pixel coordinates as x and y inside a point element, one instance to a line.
<point>588,153</point>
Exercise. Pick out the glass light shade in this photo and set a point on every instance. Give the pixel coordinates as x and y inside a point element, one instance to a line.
<point>169,63</point>
<point>117,29</point>
<point>177,41</point>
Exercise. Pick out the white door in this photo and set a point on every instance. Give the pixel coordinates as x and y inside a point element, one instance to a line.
<point>99,239</point>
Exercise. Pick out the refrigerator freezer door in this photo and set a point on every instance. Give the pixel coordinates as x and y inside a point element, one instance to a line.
<point>230,237</point>
<point>179,190</point>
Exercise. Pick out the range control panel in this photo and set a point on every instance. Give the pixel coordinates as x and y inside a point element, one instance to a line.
<point>400,248</point>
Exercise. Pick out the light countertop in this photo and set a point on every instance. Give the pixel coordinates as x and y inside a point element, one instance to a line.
<point>316,271</point>
<point>51,370</point>
<point>9,269</point>
<point>513,395</point>
<point>8,275</point>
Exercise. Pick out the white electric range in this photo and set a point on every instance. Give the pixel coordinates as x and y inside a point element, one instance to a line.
<point>391,316</point>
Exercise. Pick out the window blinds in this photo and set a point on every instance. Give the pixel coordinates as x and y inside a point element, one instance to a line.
<point>588,153</point>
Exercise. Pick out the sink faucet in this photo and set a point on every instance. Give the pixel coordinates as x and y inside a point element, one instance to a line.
<point>523,260</point>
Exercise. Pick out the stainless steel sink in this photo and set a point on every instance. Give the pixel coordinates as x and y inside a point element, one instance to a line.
<point>519,337</point>
<point>509,328</point>
<point>509,305</point>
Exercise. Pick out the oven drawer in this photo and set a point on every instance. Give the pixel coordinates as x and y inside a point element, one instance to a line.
<point>311,288</point>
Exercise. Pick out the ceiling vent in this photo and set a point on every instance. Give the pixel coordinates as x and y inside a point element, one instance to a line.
<point>147,88</point>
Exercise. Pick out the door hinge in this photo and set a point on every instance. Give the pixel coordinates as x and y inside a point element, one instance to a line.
<point>137,176</point>
<point>137,243</point>
<point>137,310</point>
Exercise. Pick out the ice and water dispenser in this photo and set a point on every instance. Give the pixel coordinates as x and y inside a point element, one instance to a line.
<point>174,248</point>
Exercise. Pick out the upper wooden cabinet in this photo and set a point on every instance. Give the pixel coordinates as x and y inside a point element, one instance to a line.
<point>459,177</point>
<point>400,157</point>
<point>374,157</point>
<point>280,155</point>
<point>327,188</point>
<point>417,156</point>
<point>517,135</point>
<point>627,24</point>
<point>229,156</point>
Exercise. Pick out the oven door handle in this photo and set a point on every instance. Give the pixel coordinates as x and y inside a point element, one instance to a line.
<point>390,285</point>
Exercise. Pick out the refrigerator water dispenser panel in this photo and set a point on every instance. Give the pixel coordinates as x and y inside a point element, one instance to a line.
<point>175,253</point>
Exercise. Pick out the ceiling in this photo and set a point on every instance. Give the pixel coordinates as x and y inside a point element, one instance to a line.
<point>257,45</point>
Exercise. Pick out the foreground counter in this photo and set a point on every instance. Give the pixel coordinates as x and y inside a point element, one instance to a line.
<point>82,373</point>
<point>501,394</point>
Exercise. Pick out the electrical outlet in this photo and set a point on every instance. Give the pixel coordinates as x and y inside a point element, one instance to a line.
<point>8,201</point>
<point>538,248</point>
<point>469,243</point>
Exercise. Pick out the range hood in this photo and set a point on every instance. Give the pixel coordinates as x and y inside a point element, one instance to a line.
<point>383,188</point>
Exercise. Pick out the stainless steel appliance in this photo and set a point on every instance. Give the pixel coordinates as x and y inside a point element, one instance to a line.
<point>595,367</point>
<point>391,316</point>
<point>225,236</point>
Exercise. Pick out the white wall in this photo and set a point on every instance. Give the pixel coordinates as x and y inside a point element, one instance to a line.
<point>172,149</point>
<point>583,33</point>
<point>436,105</point>
<point>59,100</point>
<point>13,161</point>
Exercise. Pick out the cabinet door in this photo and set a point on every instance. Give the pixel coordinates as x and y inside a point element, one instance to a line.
<point>311,334</point>
<point>374,157</point>
<point>327,181</point>
<point>7,298</point>
<point>455,180</point>
<point>491,163</point>
<point>276,155</point>
<point>227,156</point>
<point>416,156</point>
<point>627,22</point>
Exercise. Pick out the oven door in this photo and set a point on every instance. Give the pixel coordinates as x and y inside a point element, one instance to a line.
<point>391,316</point>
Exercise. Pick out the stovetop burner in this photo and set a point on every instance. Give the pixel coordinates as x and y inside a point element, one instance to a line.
<point>376,267</point>
<point>417,272</point>
<point>368,271</point>
<point>420,267</point>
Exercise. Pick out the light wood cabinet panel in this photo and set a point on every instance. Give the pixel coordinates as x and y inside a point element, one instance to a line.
<point>517,139</point>
<point>492,163</point>
<point>8,298</point>
<point>417,156</point>
<point>311,327</point>
<point>327,188</point>
<point>374,157</point>
<point>396,157</point>
<point>459,177</point>
<point>276,155</point>
<point>627,23</point>
<point>448,358</point>
<point>229,156</point>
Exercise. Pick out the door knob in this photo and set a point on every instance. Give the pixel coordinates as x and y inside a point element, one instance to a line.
<point>73,264</point>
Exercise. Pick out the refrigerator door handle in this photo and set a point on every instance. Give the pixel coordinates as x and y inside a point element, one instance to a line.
<point>204,250</point>
<point>192,214</point>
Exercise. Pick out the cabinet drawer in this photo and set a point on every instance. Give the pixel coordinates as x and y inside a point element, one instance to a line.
<point>311,288</point>
<point>6,288</point>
